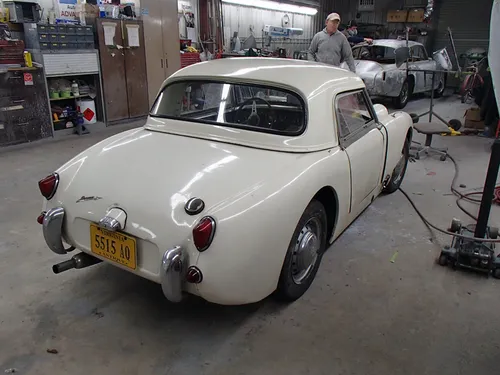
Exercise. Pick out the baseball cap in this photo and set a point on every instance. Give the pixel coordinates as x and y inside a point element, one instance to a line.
<point>333,16</point>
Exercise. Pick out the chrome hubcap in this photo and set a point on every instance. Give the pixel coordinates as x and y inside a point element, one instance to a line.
<point>306,251</point>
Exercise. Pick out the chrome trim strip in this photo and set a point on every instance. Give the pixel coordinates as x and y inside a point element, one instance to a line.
<point>174,266</point>
<point>52,230</point>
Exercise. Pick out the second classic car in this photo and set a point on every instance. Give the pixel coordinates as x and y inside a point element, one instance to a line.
<point>245,172</point>
<point>376,65</point>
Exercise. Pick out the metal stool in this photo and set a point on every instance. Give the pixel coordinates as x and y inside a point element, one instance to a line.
<point>429,129</point>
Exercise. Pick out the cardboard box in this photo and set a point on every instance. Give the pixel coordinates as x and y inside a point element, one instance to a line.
<point>473,119</point>
<point>416,15</point>
<point>397,15</point>
<point>91,12</point>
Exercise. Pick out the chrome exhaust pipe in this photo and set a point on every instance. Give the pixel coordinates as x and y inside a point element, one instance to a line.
<point>80,260</point>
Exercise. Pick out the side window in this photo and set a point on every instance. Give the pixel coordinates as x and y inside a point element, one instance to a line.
<point>423,53</point>
<point>418,53</point>
<point>352,113</point>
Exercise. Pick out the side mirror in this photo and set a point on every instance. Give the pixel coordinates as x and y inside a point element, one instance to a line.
<point>402,55</point>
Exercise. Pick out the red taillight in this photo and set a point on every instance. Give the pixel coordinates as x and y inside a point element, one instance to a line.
<point>48,185</point>
<point>40,218</point>
<point>203,233</point>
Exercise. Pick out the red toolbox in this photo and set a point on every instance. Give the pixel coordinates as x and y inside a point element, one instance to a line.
<point>189,58</point>
<point>11,52</point>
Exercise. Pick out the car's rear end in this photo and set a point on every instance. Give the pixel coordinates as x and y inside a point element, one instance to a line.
<point>157,204</point>
<point>376,65</point>
<point>189,200</point>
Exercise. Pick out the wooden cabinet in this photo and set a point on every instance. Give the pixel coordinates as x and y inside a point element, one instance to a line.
<point>161,32</point>
<point>123,68</point>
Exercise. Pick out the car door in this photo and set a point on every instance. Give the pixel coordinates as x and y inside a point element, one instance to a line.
<point>416,65</point>
<point>363,143</point>
<point>420,60</point>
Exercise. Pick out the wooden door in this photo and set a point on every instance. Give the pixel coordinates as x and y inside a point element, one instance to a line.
<point>135,68</point>
<point>153,42</point>
<point>112,58</point>
<point>171,43</point>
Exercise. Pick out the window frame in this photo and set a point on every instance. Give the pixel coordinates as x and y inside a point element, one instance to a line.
<point>422,48</point>
<point>348,140</point>
<point>287,90</point>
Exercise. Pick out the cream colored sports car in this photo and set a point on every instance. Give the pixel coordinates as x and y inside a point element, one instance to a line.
<point>246,171</point>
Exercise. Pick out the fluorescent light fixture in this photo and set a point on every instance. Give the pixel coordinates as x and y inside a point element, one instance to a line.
<point>274,5</point>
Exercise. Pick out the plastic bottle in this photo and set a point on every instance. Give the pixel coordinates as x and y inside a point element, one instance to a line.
<point>102,10</point>
<point>28,61</point>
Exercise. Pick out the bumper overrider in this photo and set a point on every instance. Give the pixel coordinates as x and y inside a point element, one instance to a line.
<point>174,262</point>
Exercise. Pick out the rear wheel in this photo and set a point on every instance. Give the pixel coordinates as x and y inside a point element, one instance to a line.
<point>400,101</point>
<point>439,91</point>
<point>304,253</point>
<point>399,171</point>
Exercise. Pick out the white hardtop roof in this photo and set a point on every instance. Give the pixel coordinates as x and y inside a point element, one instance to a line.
<point>392,43</point>
<point>317,83</point>
<point>303,76</point>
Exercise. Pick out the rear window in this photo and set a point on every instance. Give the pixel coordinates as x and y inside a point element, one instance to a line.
<point>246,106</point>
<point>380,54</point>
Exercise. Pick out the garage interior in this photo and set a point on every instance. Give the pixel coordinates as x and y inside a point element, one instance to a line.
<point>380,302</point>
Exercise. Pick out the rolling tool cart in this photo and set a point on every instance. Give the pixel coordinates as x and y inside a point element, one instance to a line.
<point>472,247</point>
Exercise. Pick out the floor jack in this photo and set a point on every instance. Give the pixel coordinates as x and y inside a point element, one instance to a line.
<point>468,250</point>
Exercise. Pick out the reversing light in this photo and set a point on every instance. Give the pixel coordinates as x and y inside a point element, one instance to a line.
<point>203,233</point>
<point>194,275</point>
<point>48,185</point>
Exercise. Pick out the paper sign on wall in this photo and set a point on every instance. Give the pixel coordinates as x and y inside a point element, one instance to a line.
<point>109,33</point>
<point>133,35</point>
<point>191,34</point>
<point>67,9</point>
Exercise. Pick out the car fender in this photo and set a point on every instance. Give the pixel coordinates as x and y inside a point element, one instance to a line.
<point>398,125</point>
<point>243,265</point>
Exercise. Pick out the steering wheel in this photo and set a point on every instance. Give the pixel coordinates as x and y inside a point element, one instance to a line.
<point>253,115</point>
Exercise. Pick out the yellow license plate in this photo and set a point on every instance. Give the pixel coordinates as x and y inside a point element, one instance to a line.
<point>115,246</point>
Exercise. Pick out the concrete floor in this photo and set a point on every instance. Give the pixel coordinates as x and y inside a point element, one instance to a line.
<point>362,315</point>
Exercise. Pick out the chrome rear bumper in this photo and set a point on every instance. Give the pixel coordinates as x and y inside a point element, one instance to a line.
<point>174,262</point>
<point>173,272</point>
<point>52,230</point>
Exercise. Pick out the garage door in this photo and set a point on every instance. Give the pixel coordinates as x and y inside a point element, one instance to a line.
<point>469,22</point>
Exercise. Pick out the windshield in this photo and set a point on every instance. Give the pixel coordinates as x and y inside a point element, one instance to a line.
<point>380,54</point>
<point>247,106</point>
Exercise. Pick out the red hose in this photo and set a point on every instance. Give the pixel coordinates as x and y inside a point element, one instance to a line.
<point>496,195</point>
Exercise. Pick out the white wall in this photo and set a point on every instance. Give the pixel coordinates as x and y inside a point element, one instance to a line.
<point>240,18</point>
